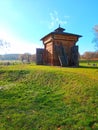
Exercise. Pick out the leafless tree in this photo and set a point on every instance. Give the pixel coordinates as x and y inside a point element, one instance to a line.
<point>4,44</point>
<point>26,57</point>
<point>89,55</point>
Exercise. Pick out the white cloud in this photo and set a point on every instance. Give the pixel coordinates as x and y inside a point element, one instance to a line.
<point>55,19</point>
<point>16,45</point>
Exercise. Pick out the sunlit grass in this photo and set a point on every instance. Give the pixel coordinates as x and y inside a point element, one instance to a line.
<point>48,98</point>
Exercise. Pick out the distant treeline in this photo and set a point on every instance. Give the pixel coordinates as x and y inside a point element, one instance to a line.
<point>9,57</point>
<point>22,57</point>
<point>26,57</point>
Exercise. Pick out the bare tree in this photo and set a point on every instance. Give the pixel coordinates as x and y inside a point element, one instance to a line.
<point>26,58</point>
<point>89,55</point>
<point>95,28</point>
<point>4,44</point>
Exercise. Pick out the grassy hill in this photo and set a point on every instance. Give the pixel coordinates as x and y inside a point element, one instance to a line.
<point>48,98</point>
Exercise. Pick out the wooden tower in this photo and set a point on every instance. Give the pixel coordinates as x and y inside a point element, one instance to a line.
<point>59,49</point>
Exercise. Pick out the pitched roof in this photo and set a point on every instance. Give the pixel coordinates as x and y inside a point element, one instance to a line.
<point>60,30</point>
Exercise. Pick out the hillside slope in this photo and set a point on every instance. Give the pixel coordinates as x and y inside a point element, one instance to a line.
<point>48,98</point>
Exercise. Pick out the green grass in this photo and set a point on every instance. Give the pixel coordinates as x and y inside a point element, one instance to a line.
<point>48,98</point>
<point>89,63</point>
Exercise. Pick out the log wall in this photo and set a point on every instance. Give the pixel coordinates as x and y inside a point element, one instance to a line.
<point>67,41</point>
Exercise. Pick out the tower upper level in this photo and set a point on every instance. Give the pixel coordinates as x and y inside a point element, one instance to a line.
<point>60,34</point>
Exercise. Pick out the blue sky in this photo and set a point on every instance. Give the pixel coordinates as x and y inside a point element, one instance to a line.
<point>24,22</point>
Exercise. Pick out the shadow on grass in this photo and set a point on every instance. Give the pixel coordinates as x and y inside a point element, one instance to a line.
<point>89,67</point>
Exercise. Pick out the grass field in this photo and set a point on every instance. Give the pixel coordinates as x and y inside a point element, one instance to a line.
<point>48,98</point>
